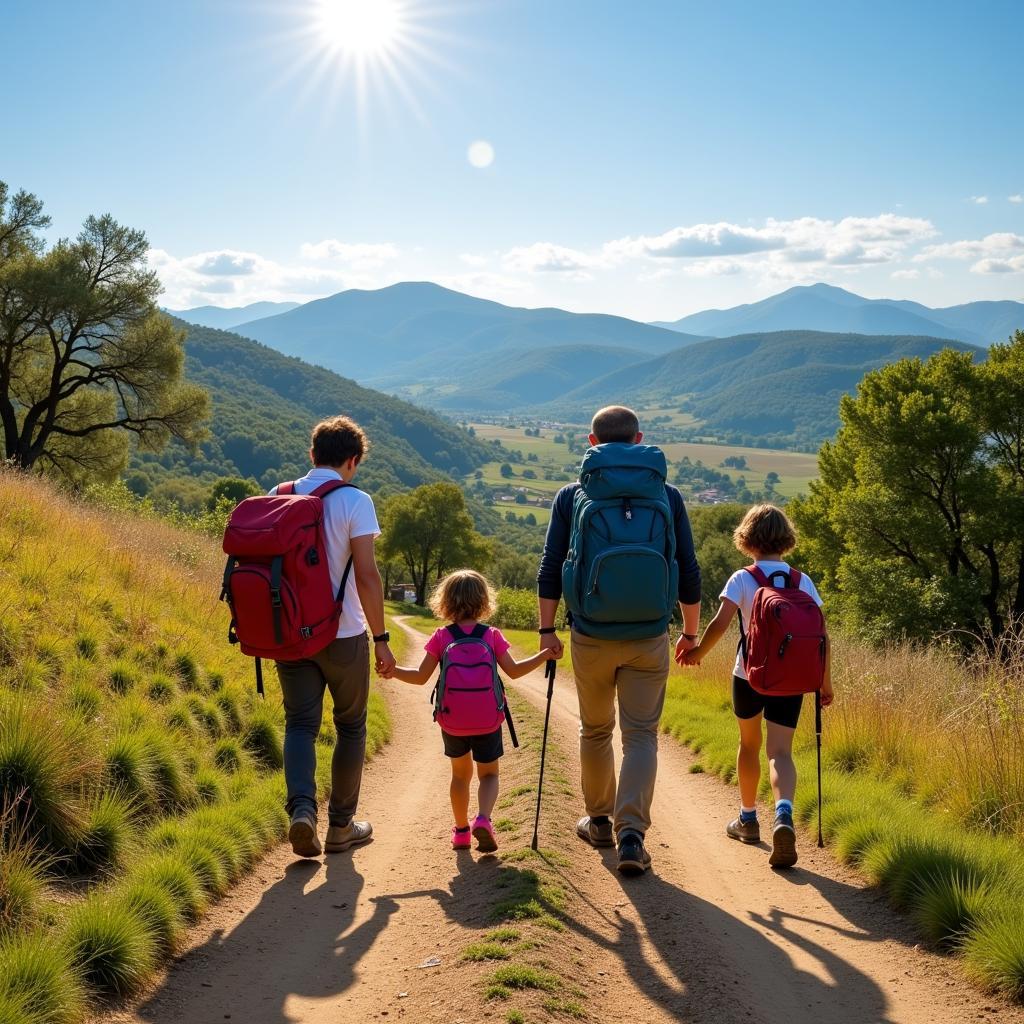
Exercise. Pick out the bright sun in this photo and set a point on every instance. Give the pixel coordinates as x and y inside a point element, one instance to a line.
<point>360,28</point>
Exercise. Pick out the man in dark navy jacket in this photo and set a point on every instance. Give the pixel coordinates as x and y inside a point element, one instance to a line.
<point>634,671</point>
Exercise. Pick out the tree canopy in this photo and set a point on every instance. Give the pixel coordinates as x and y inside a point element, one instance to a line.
<point>86,357</point>
<point>431,532</point>
<point>916,521</point>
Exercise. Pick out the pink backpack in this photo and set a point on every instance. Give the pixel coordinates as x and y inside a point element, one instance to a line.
<point>784,642</point>
<point>469,698</point>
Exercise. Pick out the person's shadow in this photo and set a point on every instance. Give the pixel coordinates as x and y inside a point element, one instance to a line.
<point>294,942</point>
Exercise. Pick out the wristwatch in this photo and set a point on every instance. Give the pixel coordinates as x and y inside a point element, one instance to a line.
<point>384,638</point>
<point>547,630</point>
<point>690,636</point>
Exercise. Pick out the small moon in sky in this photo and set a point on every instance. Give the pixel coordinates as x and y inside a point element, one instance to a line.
<point>480,153</point>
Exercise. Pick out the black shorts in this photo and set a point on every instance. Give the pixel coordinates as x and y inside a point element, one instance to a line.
<point>485,748</point>
<point>748,703</point>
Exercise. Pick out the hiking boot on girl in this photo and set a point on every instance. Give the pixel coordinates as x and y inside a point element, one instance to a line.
<point>469,699</point>
<point>772,672</point>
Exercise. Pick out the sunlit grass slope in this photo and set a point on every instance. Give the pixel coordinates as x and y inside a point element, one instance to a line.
<point>139,772</point>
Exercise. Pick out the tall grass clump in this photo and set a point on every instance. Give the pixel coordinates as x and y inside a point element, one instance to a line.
<point>110,945</point>
<point>262,738</point>
<point>39,978</point>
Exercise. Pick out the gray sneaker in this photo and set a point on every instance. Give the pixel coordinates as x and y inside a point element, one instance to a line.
<point>342,837</point>
<point>744,831</point>
<point>302,835</point>
<point>591,832</point>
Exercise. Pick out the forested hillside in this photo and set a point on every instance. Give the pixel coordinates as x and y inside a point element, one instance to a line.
<point>781,388</point>
<point>263,406</point>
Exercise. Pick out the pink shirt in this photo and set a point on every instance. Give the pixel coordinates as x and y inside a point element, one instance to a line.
<point>442,638</point>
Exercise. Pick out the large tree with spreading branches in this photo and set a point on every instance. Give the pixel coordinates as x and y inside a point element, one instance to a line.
<point>87,360</point>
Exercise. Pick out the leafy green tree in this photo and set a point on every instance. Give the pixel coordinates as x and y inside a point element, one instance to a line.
<point>431,531</point>
<point>915,522</point>
<point>86,357</point>
<point>232,489</point>
<point>506,470</point>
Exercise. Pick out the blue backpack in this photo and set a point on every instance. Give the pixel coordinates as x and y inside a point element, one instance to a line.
<point>620,578</point>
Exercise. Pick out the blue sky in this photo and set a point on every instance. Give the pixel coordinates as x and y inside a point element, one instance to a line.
<point>650,159</point>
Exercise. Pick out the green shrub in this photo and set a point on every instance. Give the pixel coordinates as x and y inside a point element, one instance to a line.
<point>215,681</point>
<point>207,715</point>
<point>947,907</point>
<point>262,739</point>
<point>46,764</point>
<point>187,672</point>
<point>228,755</point>
<point>209,786</point>
<point>179,718</point>
<point>231,715</point>
<point>21,885</point>
<point>38,975</point>
<point>994,952</point>
<point>517,609</point>
<point>122,677</point>
<point>87,646</point>
<point>130,767</point>
<point>177,879</point>
<point>156,907</point>
<point>174,788</point>
<point>112,947</point>
<point>524,976</point>
<point>161,688</point>
<point>108,834</point>
<point>84,698</point>
<point>479,951</point>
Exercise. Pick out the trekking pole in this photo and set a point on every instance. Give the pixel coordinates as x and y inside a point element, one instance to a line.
<point>549,671</point>
<point>817,731</point>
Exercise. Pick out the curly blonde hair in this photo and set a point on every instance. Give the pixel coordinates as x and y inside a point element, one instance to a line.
<point>463,595</point>
<point>765,530</point>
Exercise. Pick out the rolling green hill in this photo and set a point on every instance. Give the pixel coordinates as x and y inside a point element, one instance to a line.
<point>781,388</point>
<point>264,405</point>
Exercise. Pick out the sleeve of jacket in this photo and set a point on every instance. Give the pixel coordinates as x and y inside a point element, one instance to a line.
<point>556,545</point>
<point>686,554</point>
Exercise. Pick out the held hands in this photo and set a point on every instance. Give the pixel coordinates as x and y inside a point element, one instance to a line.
<point>827,693</point>
<point>687,652</point>
<point>384,660</point>
<point>550,643</point>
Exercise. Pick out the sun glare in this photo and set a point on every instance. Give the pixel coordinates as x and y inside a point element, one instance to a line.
<point>360,28</point>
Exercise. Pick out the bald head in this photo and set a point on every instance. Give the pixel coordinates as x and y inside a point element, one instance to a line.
<point>615,423</point>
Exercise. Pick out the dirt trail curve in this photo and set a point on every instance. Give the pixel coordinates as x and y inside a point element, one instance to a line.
<point>710,935</point>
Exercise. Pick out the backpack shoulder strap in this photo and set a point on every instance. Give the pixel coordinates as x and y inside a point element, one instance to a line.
<point>758,573</point>
<point>795,576</point>
<point>480,631</point>
<point>456,632</point>
<point>330,487</point>
<point>286,488</point>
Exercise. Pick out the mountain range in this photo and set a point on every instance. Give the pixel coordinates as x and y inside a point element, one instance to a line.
<point>822,307</point>
<point>226,317</point>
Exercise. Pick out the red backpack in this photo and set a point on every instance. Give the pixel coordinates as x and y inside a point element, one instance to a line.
<point>784,643</point>
<point>469,698</point>
<point>277,581</point>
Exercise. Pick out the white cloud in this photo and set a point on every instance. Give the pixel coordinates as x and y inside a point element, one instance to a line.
<point>1018,198</point>
<point>1013,265</point>
<point>547,257</point>
<point>1000,243</point>
<point>978,200</point>
<point>849,242</point>
<point>226,263</point>
<point>905,275</point>
<point>361,255</point>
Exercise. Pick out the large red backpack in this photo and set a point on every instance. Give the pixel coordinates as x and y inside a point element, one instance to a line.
<point>277,581</point>
<point>784,644</point>
<point>469,698</point>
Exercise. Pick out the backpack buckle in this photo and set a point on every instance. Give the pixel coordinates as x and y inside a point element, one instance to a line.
<point>275,598</point>
<point>306,632</point>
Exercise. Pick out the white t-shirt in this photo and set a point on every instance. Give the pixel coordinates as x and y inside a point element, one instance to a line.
<point>741,587</point>
<point>348,513</point>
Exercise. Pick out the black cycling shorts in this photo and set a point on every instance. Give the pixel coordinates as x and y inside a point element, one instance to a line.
<point>485,748</point>
<point>748,703</point>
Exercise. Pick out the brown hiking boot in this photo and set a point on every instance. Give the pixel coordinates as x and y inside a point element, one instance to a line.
<point>597,834</point>
<point>744,831</point>
<point>302,835</point>
<point>341,837</point>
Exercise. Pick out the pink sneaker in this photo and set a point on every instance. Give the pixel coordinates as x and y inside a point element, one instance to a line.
<point>483,833</point>
<point>461,840</point>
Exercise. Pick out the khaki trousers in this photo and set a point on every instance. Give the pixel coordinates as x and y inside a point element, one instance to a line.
<point>636,672</point>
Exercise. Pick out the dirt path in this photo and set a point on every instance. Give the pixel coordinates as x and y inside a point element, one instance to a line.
<point>711,935</point>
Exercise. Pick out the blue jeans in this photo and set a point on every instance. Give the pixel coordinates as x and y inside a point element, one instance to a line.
<point>343,667</point>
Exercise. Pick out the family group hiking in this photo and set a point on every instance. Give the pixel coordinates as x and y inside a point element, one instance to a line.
<point>304,591</point>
